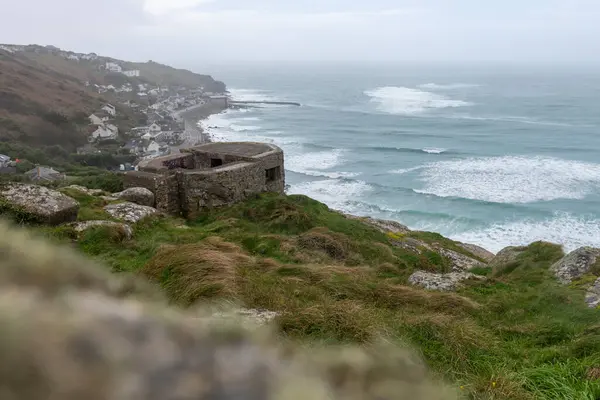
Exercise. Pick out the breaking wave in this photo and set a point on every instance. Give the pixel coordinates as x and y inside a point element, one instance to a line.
<point>407,101</point>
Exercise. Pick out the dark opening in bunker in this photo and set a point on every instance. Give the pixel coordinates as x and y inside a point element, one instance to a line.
<point>215,162</point>
<point>273,174</point>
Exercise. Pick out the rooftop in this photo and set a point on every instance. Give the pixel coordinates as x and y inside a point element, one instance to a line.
<point>244,149</point>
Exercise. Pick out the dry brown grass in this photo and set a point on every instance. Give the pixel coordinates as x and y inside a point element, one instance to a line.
<point>334,245</point>
<point>196,271</point>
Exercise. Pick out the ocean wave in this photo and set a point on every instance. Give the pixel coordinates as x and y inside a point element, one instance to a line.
<point>428,150</point>
<point>563,228</point>
<point>242,128</point>
<point>449,86</point>
<point>315,162</point>
<point>336,193</point>
<point>511,179</point>
<point>512,119</point>
<point>402,171</point>
<point>251,95</point>
<point>407,101</point>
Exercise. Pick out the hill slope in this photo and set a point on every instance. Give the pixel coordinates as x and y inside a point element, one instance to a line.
<point>333,279</point>
<point>44,98</point>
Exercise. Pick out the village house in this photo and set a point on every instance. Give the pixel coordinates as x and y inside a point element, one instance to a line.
<point>154,128</point>
<point>113,67</point>
<point>90,56</point>
<point>102,132</point>
<point>109,108</point>
<point>95,120</point>
<point>132,73</point>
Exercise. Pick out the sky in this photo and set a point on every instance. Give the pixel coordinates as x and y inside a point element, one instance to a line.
<point>189,32</point>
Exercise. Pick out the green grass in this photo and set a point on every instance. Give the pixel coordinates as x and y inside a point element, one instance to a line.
<point>518,335</point>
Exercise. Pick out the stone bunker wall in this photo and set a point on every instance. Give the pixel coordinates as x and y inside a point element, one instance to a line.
<point>202,177</point>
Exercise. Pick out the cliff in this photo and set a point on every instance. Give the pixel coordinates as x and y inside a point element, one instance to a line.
<point>509,330</point>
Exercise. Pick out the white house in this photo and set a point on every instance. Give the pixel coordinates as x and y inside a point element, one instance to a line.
<point>73,57</point>
<point>112,128</point>
<point>95,120</point>
<point>153,147</point>
<point>90,56</point>
<point>109,108</point>
<point>113,67</point>
<point>132,73</point>
<point>154,128</point>
<point>103,133</point>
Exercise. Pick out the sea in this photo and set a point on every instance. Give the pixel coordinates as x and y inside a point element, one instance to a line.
<point>495,156</point>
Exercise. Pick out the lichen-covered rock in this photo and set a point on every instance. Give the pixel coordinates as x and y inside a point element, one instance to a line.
<point>460,262</point>
<point>83,226</point>
<point>505,257</point>
<point>477,251</point>
<point>247,317</point>
<point>39,204</point>
<point>592,297</point>
<point>441,282</point>
<point>129,212</point>
<point>575,264</point>
<point>83,189</point>
<point>137,195</point>
<point>73,331</point>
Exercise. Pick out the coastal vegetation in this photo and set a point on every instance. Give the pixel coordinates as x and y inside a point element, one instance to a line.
<point>518,334</point>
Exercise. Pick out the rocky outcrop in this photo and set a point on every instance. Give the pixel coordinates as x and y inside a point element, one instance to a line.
<point>592,297</point>
<point>247,317</point>
<point>38,204</point>
<point>129,212</point>
<point>460,262</point>
<point>477,251</point>
<point>81,227</point>
<point>382,225</point>
<point>441,282</point>
<point>575,264</point>
<point>137,195</point>
<point>83,189</point>
<point>504,258</point>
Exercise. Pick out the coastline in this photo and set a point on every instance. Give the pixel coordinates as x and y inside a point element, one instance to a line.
<point>194,134</point>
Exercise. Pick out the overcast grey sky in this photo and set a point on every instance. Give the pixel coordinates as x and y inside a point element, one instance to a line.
<point>193,31</point>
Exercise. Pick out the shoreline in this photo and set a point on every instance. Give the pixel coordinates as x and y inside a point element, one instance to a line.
<point>191,116</point>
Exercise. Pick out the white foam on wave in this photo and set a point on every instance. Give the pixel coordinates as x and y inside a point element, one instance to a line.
<point>433,150</point>
<point>402,171</point>
<point>565,229</point>
<point>407,101</point>
<point>339,195</point>
<point>317,163</point>
<point>511,179</point>
<point>448,86</point>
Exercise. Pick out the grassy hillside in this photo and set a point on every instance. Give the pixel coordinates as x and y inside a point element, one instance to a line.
<point>333,280</point>
<point>44,100</point>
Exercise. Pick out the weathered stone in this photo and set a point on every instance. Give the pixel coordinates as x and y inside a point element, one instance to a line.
<point>382,225</point>
<point>460,262</point>
<point>592,297</point>
<point>109,198</point>
<point>137,195</point>
<point>83,189</point>
<point>83,226</point>
<point>129,212</point>
<point>38,203</point>
<point>210,175</point>
<point>478,251</point>
<point>441,282</point>
<point>575,264</point>
<point>505,257</point>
